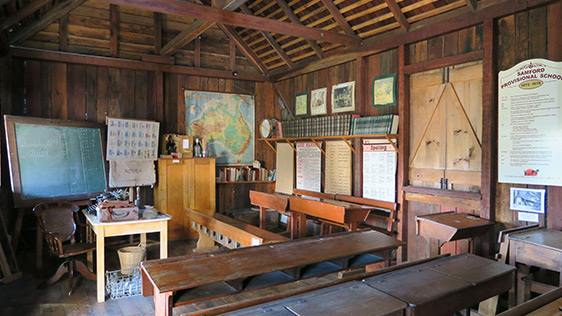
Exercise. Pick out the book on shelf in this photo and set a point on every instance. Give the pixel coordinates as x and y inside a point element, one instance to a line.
<point>241,173</point>
<point>334,125</point>
<point>381,124</point>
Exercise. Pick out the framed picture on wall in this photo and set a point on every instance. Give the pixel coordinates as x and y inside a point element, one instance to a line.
<point>301,104</point>
<point>318,101</point>
<point>528,200</point>
<point>343,97</point>
<point>384,90</point>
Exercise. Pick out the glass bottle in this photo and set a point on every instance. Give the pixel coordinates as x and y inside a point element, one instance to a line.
<point>197,149</point>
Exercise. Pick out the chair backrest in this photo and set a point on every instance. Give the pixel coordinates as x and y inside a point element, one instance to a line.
<point>57,218</point>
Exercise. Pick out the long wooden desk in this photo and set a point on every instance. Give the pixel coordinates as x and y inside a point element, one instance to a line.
<point>162,278</point>
<point>338,212</point>
<point>439,287</point>
<point>110,229</point>
<point>541,248</point>
<point>351,298</point>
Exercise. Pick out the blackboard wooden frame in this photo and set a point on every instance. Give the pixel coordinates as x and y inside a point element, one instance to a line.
<point>9,124</point>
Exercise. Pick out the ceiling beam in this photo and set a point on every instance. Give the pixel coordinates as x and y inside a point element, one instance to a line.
<point>238,19</point>
<point>336,14</point>
<point>244,48</point>
<point>22,13</point>
<point>445,23</point>
<point>194,30</point>
<point>398,14</point>
<point>472,4</point>
<point>271,41</point>
<point>51,16</point>
<point>73,58</point>
<point>295,19</point>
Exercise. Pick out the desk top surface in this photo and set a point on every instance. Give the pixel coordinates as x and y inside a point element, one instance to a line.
<point>540,237</point>
<point>455,220</point>
<point>451,226</point>
<point>190,271</point>
<point>436,279</point>
<point>150,214</point>
<point>351,298</point>
<point>314,200</point>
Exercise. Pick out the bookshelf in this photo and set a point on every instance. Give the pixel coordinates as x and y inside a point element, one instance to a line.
<point>318,139</point>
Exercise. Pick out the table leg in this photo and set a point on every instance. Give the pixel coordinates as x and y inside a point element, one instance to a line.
<point>164,240</point>
<point>294,223</point>
<point>302,225</point>
<point>263,214</point>
<point>100,263</point>
<point>163,304</point>
<point>143,239</point>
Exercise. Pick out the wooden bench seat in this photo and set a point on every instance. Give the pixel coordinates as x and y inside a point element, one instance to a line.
<point>228,232</point>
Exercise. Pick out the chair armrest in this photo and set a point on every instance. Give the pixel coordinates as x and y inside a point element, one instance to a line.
<point>54,242</point>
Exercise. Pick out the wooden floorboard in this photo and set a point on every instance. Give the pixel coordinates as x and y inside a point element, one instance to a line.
<point>22,297</point>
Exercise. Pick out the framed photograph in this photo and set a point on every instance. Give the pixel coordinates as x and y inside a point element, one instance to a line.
<point>528,200</point>
<point>318,101</point>
<point>301,104</point>
<point>384,90</point>
<point>343,97</point>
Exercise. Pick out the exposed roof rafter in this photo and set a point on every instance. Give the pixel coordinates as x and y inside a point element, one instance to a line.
<point>197,11</point>
<point>293,17</point>
<point>271,41</point>
<point>398,14</point>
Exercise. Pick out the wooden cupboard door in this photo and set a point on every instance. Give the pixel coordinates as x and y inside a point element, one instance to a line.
<point>172,174</point>
<point>446,128</point>
<point>203,192</point>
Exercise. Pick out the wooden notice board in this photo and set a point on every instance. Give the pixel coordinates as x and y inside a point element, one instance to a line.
<point>54,159</point>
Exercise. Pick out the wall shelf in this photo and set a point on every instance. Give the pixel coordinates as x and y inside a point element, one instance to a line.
<point>235,182</point>
<point>318,139</point>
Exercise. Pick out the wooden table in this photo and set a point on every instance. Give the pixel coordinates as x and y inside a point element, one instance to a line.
<point>447,285</point>
<point>162,278</point>
<point>351,298</point>
<point>337,212</point>
<point>110,229</point>
<point>541,248</point>
<point>450,226</point>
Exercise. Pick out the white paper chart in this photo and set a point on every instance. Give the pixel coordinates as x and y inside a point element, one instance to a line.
<point>132,140</point>
<point>309,167</point>
<point>379,171</point>
<point>530,123</point>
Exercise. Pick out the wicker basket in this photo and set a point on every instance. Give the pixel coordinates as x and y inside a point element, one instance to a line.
<point>130,257</point>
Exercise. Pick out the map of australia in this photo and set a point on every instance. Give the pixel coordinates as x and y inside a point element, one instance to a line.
<point>225,121</point>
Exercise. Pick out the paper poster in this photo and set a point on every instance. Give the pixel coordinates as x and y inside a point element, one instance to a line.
<point>309,167</point>
<point>132,140</point>
<point>285,169</point>
<point>530,123</point>
<point>131,173</point>
<point>338,173</point>
<point>379,171</point>
<point>528,217</point>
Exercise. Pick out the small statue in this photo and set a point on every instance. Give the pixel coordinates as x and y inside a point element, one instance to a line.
<point>170,146</point>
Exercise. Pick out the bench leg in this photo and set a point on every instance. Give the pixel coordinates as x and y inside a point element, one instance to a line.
<point>205,243</point>
<point>163,304</point>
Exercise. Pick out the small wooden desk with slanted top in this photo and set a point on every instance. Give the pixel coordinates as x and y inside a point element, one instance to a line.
<point>450,226</point>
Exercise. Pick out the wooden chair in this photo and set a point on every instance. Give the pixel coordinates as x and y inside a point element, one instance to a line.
<point>56,221</point>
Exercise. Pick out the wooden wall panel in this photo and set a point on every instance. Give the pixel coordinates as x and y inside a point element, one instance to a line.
<point>85,92</point>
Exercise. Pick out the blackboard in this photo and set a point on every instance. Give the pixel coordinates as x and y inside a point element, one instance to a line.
<point>54,159</point>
